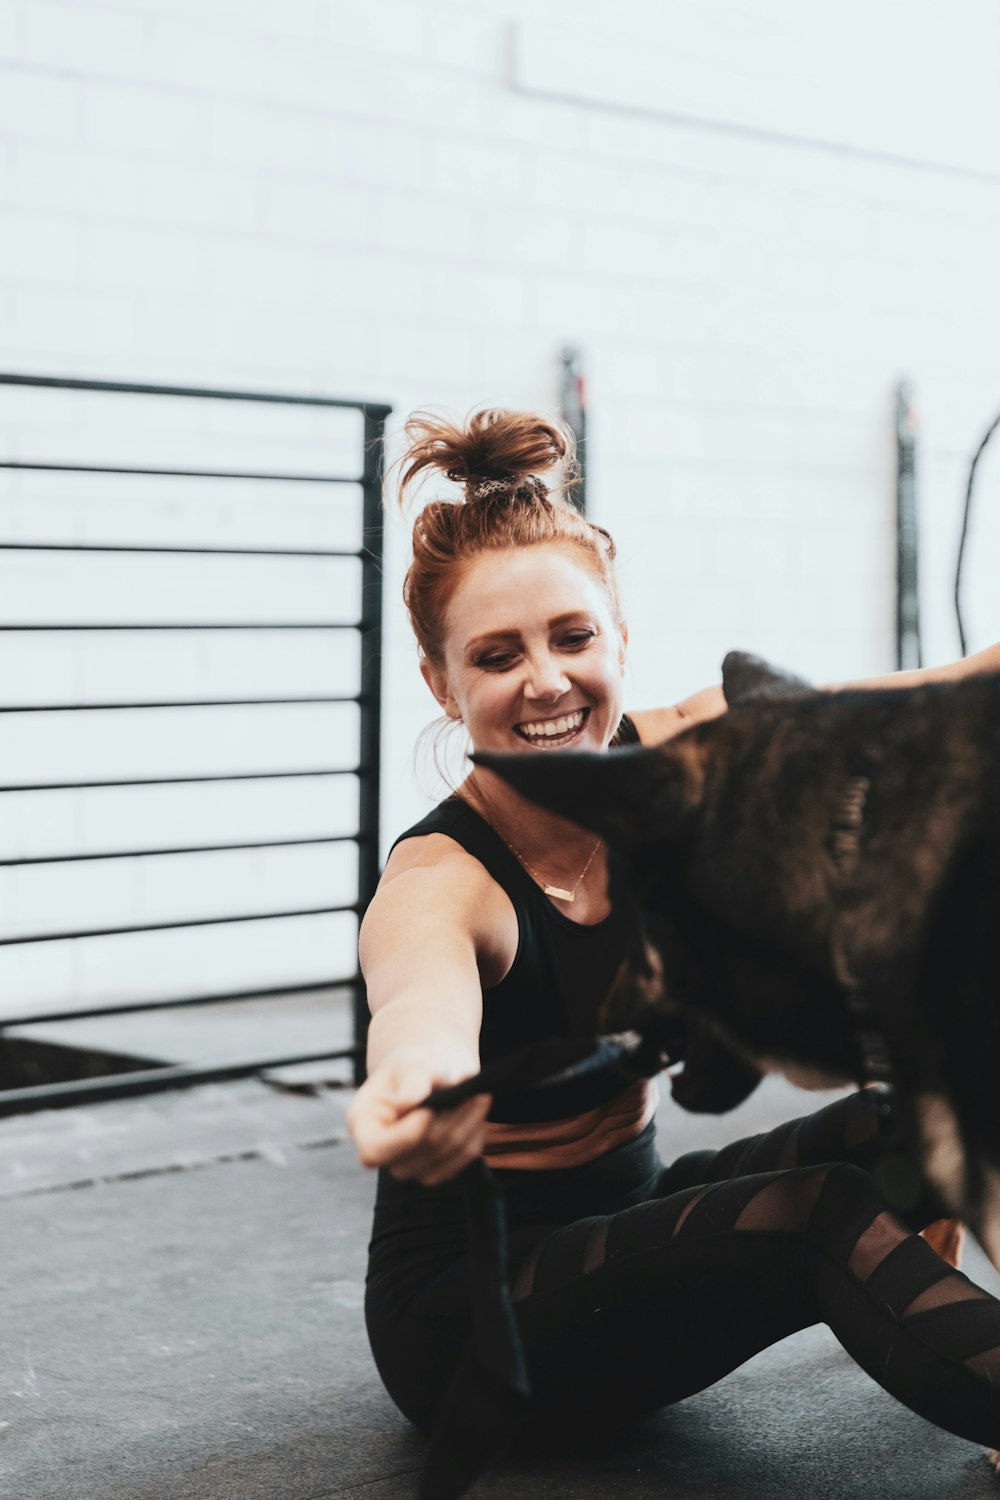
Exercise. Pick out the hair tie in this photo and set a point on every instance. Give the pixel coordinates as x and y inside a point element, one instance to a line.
<point>511,485</point>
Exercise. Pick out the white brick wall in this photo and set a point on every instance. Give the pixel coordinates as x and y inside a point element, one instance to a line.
<point>754,216</point>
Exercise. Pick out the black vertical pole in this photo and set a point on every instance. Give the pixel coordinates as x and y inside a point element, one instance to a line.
<point>573,409</point>
<point>907,597</point>
<point>370,697</point>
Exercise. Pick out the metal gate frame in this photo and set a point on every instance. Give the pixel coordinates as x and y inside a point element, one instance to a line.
<point>367,769</point>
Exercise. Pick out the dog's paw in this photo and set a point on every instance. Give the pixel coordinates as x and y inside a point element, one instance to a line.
<point>946,1237</point>
<point>992,1457</point>
<point>713,1079</point>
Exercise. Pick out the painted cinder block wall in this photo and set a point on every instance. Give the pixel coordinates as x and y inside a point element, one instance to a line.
<point>753,216</point>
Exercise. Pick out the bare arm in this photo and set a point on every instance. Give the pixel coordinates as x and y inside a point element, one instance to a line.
<point>981,661</point>
<point>656,724</point>
<point>419,954</point>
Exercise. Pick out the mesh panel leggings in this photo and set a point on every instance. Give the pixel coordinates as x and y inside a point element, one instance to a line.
<point>738,1248</point>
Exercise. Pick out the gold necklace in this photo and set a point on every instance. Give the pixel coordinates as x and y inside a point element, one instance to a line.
<point>556,891</point>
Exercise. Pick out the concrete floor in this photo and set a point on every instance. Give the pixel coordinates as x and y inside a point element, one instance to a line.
<point>182,1281</point>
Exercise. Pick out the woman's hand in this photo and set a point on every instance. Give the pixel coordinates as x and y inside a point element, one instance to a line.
<point>430,1146</point>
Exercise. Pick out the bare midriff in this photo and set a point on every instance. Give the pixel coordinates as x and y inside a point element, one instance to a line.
<point>576,1140</point>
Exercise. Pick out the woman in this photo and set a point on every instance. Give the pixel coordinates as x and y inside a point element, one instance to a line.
<point>634,1284</point>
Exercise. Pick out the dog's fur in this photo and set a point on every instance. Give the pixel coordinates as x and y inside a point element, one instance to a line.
<point>800,848</point>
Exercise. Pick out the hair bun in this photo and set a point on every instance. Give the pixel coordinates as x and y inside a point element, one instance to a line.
<point>495,452</point>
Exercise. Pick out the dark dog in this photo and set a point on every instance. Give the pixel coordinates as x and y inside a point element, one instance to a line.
<point>816,879</point>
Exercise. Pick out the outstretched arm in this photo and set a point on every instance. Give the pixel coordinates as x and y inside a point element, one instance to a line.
<point>967,666</point>
<point>656,724</point>
<point>418,955</point>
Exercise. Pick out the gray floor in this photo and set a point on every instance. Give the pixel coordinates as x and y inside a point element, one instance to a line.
<point>182,1283</point>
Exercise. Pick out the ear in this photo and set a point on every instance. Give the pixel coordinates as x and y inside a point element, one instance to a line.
<point>437,681</point>
<point>629,797</point>
<point>748,679</point>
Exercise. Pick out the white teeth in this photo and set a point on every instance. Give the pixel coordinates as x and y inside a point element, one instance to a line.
<point>549,728</point>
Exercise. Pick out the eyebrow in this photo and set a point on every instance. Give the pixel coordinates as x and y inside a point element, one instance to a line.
<point>512,635</point>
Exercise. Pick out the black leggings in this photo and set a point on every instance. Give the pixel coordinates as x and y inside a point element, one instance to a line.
<point>728,1252</point>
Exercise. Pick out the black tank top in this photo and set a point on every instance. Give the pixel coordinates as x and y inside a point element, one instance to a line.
<point>561,974</point>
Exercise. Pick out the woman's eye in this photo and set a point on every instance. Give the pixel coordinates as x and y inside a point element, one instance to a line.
<point>578,638</point>
<point>494,662</point>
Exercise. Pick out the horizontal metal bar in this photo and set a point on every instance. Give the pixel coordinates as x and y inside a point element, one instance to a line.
<point>257,916</point>
<point>147,1081</point>
<point>86,786</point>
<point>339,552</point>
<point>235,997</point>
<point>75,628</point>
<point>60,708</point>
<point>37,467</point>
<point>67,859</point>
<point>198,392</point>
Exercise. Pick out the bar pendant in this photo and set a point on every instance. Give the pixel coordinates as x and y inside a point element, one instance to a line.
<point>558,892</point>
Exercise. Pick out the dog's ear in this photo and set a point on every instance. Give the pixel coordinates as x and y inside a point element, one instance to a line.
<point>629,797</point>
<point>748,679</point>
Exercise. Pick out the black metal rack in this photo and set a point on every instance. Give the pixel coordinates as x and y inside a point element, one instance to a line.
<point>366,768</point>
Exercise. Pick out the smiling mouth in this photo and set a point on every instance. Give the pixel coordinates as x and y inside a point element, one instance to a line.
<point>553,734</point>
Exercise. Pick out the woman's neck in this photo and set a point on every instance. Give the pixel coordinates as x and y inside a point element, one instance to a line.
<point>538,837</point>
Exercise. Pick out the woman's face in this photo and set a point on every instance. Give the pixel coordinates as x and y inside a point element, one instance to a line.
<point>533,658</point>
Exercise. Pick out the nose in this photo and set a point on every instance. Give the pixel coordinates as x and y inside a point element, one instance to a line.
<point>545,679</point>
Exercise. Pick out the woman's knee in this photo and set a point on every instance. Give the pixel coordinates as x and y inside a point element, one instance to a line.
<point>846,1204</point>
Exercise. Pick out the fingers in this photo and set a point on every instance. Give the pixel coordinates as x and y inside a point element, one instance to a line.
<point>412,1143</point>
<point>450,1141</point>
<point>383,1119</point>
<point>383,1136</point>
<point>453,1140</point>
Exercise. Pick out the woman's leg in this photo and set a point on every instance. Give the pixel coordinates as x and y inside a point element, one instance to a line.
<point>642,1308</point>
<point>846,1130</point>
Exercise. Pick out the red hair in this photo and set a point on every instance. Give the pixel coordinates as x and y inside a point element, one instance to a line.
<point>498,457</point>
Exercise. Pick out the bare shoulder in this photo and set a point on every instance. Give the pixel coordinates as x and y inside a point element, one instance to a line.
<point>434,891</point>
<point>438,853</point>
<point>654,725</point>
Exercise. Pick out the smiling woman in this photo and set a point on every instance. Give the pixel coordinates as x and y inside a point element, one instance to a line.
<point>635,1284</point>
<point>514,602</point>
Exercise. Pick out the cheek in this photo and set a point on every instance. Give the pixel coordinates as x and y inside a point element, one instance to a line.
<point>609,673</point>
<point>489,696</point>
